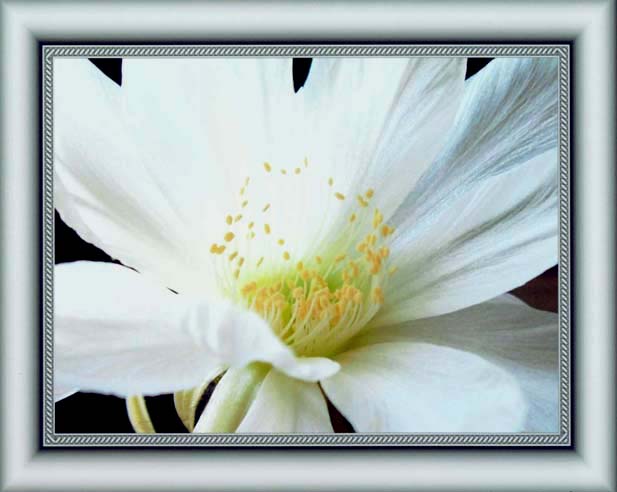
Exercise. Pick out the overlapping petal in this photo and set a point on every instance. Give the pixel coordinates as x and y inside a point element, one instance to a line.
<point>483,219</point>
<point>380,122</point>
<point>190,133</point>
<point>116,332</point>
<point>404,386</point>
<point>504,331</point>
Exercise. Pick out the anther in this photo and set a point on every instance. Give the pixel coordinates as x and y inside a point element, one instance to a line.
<point>378,296</point>
<point>267,167</point>
<point>229,219</point>
<point>229,236</point>
<point>339,196</point>
<point>267,229</point>
<point>286,255</point>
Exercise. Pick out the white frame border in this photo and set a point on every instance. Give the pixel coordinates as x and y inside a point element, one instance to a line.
<point>587,466</point>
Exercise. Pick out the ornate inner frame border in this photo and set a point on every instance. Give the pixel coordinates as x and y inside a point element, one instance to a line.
<point>561,438</point>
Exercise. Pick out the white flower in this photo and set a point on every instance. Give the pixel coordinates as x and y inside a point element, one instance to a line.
<point>356,236</point>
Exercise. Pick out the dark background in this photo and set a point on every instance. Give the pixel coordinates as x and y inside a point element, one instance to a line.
<point>93,413</point>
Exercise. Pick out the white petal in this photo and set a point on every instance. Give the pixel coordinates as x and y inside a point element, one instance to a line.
<point>104,185</point>
<point>483,220</point>
<point>418,387</point>
<point>149,171</point>
<point>378,123</point>
<point>116,332</point>
<point>506,332</point>
<point>283,404</point>
<point>61,391</point>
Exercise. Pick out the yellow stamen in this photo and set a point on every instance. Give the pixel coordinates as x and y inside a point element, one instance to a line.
<point>339,196</point>
<point>297,170</point>
<point>281,241</point>
<point>267,167</point>
<point>229,219</point>
<point>267,229</point>
<point>215,249</point>
<point>377,219</point>
<point>386,230</point>
<point>286,255</point>
<point>248,288</point>
<point>378,296</point>
<point>265,209</point>
<point>229,236</point>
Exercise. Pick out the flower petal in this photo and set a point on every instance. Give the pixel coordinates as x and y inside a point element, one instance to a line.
<point>116,332</point>
<point>61,391</point>
<point>104,185</point>
<point>508,333</point>
<point>283,404</point>
<point>149,171</point>
<point>483,220</point>
<point>418,387</point>
<point>379,122</point>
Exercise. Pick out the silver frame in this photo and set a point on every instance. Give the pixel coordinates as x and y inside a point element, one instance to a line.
<point>587,464</point>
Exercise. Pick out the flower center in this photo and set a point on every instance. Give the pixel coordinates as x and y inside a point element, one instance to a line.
<point>314,303</point>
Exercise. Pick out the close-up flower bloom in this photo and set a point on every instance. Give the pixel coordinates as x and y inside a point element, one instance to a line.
<point>352,242</point>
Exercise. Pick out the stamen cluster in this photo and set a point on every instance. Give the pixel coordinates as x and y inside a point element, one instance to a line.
<point>318,304</point>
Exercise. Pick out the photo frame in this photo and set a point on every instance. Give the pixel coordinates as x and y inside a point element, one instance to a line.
<point>32,56</point>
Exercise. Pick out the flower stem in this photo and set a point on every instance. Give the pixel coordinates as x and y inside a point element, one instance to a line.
<point>232,398</point>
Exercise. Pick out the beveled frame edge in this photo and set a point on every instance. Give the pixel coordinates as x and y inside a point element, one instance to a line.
<point>587,467</point>
<point>561,438</point>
